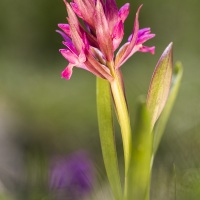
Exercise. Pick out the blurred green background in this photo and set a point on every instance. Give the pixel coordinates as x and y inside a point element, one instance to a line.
<point>42,115</point>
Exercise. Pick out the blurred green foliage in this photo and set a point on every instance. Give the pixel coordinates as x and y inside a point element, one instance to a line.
<point>56,116</point>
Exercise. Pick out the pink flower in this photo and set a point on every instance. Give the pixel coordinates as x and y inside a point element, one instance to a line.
<point>92,46</point>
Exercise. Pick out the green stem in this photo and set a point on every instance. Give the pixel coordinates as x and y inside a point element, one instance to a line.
<point>124,121</point>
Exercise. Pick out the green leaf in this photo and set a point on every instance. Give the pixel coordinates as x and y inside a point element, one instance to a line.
<point>140,163</point>
<point>160,85</point>
<point>162,121</point>
<point>104,110</point>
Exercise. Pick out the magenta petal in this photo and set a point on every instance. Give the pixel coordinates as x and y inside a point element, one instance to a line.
<point>65,28</point>
<point>91,2</point>
<point>144,31</point>
<point>144,38</point>
<point>75,28</point>
<point>71,47</point>
<point>120,54</point>
<point>103,32</point>
<point>124,11</point>
<point>130,37</point>
<point>76,9</point>
<point>118,34</point>
<point>132,43</point>
<point>111,12</point>
<point>85,10</point>
<point>82,57</point>
<point>147,49</point>
<point>134,33</point>
<point>85,41</point>
<point>67,72</point>
<point>71,57</point>
<point>65,37</point>
<point>144,35</point>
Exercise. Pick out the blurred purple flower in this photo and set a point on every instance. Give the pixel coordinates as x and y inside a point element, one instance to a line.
<point>72,176</point>
<point>92,47</point>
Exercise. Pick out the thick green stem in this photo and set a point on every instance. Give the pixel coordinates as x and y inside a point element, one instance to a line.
<point>124,122</point>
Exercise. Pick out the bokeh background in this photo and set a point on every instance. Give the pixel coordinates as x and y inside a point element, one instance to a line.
<point>43,116</point>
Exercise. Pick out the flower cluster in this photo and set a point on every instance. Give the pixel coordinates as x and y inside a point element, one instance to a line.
<point>91,45</point>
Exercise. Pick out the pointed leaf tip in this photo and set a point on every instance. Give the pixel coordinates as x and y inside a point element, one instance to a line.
<point>160,84</point>
<point>168,50</point>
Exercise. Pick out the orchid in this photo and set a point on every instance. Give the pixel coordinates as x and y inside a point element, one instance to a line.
<point>92,40</point>
<point>86,46</point>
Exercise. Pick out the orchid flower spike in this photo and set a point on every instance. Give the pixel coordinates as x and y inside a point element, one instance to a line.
<point>92,46</point>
